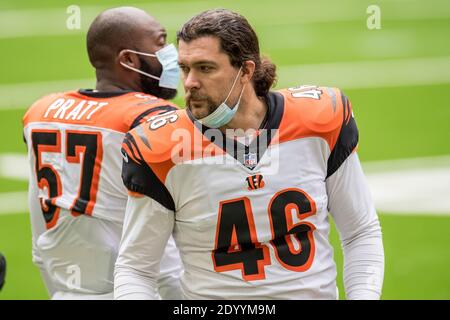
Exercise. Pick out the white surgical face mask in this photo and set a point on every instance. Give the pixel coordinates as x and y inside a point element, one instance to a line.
<point>168,57</point>
<point>223,114</point>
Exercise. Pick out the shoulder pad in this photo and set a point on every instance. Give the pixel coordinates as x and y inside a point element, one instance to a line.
<point>157,136</point>
<point>40,105</point>
<point>323,112</point>
<point>320,109</point>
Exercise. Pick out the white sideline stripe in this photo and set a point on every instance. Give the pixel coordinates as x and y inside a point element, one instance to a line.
<point>412,191</point>
<point>14,166</point>
<point>52,21</point>
<point>398,165</point>
<point>13,202</point>
<point>22,95</point>
<point>404,186</point>
<point>370,74</point>
<point>410,186</point>
<point>346,75</point>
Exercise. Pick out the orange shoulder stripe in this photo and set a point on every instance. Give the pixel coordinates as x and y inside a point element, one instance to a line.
<point>316,112</point>
<point>169,139</point>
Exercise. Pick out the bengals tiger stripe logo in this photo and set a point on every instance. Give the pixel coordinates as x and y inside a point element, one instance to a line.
<point>255,182</point>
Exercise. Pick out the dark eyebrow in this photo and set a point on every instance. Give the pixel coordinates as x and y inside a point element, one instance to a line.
<point>201,62</point>
<point>198,63</point>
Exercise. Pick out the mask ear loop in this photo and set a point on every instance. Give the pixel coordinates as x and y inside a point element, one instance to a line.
<point>137,70</point>
<point>142,53</point>
<point>232,87</point>
<point>240,96</point>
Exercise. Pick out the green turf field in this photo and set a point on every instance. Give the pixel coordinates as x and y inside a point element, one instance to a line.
<point>401,102</point>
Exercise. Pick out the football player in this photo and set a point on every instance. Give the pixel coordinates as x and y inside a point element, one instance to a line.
<point>76,196</point>
<point>244,178</point>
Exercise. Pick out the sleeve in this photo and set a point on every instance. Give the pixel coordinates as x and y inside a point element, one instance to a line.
<point>170,271</point>
<point>38,228</point>
<point>150,111</point>
<point>148,260</point>
<point>139,178</point>
<point>351,206</point>
<point>347,139</point>
<point>146,231</point>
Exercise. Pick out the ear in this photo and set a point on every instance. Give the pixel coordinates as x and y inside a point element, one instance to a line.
<point>129,58</point>
<point>248,69</point>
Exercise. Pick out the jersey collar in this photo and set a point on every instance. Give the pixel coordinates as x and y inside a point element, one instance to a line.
<point>255,150</point>
<point>103,94</point>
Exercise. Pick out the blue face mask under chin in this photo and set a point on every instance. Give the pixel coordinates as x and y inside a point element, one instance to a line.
<point>223,114</point>
<point>168,58</point>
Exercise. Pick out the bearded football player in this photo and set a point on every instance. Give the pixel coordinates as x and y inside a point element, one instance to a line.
<point>247,200</point>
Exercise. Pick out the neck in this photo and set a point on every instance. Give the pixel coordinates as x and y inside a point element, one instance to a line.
<point>250,114</point>
<point>108,83</point>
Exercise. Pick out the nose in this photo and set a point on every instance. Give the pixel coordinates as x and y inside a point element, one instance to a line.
<point>190,81</point>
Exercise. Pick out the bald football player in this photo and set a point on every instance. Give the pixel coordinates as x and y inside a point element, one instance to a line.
<point>76,196</point>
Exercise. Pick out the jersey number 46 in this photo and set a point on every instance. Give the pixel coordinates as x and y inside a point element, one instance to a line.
<point>237,246</point>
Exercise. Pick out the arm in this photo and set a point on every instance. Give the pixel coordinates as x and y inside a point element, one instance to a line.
<point>170,270</point>
<point>149,221</point>
<point>147,228</point>
<point>350,204</point>
<point>38,228</point>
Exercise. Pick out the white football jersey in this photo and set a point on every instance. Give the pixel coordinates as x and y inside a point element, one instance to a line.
<point>250,217</point>
<point>76,195</point>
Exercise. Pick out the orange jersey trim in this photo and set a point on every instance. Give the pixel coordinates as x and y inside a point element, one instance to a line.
<point>115,113</point>
<point>172,143</point>
<point>307,117</point>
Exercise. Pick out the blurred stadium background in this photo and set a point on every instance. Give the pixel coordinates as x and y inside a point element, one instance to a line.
<point>397,77</point>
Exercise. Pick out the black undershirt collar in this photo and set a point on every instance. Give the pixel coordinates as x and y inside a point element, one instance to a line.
<point>103,94</point>
<point>248,155</point>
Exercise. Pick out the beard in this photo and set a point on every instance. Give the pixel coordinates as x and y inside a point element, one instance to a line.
<point>151,86</point>
<point>202,105</point>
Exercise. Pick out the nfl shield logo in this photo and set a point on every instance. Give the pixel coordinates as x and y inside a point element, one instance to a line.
<point>250,160</point>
